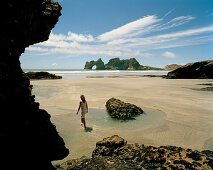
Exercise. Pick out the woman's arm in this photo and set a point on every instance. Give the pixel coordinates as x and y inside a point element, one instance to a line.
<point>79,107</point>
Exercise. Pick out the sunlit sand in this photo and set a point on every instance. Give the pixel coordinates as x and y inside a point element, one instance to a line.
<point>176,114</point>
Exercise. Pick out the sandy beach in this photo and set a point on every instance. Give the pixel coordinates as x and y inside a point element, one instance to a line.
<point>177,113</point>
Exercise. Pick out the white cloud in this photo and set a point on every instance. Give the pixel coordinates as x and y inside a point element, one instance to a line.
<point>71,37</point>
<point>170,11</point>
<point>54,64</point>
<point>189,32</point>
<point>35,48</point>
<point>210,14</point>
<point>168,54</point>
<point>130,29</point>
<point>148,55</point>
<point>175,22</point>
<point>79,37</point>
<point>136,38</point>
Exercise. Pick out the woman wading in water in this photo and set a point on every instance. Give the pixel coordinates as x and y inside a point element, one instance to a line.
<point>84,109</point>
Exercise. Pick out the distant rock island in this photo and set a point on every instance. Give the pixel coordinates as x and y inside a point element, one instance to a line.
<point>197,70</point>
<point>118,64</point>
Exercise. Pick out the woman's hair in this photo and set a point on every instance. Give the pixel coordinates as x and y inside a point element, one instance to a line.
<point>83,98</point>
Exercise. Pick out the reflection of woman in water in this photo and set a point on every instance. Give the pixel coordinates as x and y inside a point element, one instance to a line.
<point>84,109</point>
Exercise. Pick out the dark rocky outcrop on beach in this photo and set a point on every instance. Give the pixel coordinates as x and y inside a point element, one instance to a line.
<point>118,64</point>
<point>198,70</point>
<point>42,75</point>
<point>28,138</point>
<point>114,153</point>
<point>172,67</point>
<point>121,110</point>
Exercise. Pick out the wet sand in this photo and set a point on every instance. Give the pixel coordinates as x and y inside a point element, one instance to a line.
<point>186,121</point>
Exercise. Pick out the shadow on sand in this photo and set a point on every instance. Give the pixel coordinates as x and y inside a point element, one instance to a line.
<point>88,129</point>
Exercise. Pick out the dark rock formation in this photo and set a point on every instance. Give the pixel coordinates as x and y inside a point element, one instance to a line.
<point>114,153</point>
<point>89,65</point>
<point>156,76</point>
<point>128,64</point>
<point>172,67</point>
<point>99,64</point>
<point>198,70</point>
<point>120,110</point>
<point>117,64</point>
<point>28,138</point>
<point>42,75</point>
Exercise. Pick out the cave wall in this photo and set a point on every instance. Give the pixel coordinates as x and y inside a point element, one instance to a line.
<point>26,132</point>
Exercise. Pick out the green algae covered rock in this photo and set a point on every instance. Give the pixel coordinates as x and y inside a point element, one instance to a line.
<point>121,110</point>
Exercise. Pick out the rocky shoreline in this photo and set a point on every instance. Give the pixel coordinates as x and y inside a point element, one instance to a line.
<point>42,75</point>
<point>197,70</point>
<point>115,153</point>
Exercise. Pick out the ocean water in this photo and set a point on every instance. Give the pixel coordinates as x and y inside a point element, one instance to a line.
<point>81,73</point>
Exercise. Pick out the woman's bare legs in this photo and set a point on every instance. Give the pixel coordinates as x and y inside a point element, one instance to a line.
<point>84,122</point>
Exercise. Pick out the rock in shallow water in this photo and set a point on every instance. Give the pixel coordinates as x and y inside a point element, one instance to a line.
<point>121,110</point>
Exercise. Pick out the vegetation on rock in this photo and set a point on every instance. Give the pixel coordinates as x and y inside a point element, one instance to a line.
<point>172,67</point>
<point>121,110</point>
<point>99,65</point>
<point>128,64</point>
<point>118,64</point>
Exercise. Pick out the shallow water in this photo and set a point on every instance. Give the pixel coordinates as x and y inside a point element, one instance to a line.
<point>100,118</point>
<point>99,124</point>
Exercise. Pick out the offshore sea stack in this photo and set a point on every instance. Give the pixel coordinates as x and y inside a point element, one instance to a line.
<point>28,138</point>
<point>121,110</point>
<point>114,153</point>
<point>198,70</point>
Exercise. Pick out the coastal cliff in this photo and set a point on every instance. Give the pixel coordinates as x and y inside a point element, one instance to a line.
<point>197,70</point>
<point>28,138</point>
<point>118,64</point>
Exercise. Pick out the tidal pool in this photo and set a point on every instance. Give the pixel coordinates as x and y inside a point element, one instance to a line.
<point>82,142</point>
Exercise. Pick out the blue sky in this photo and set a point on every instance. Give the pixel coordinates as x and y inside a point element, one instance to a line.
<point>155,32</point>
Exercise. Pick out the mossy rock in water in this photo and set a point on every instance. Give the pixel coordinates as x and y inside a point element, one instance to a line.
<point>121,110</point>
